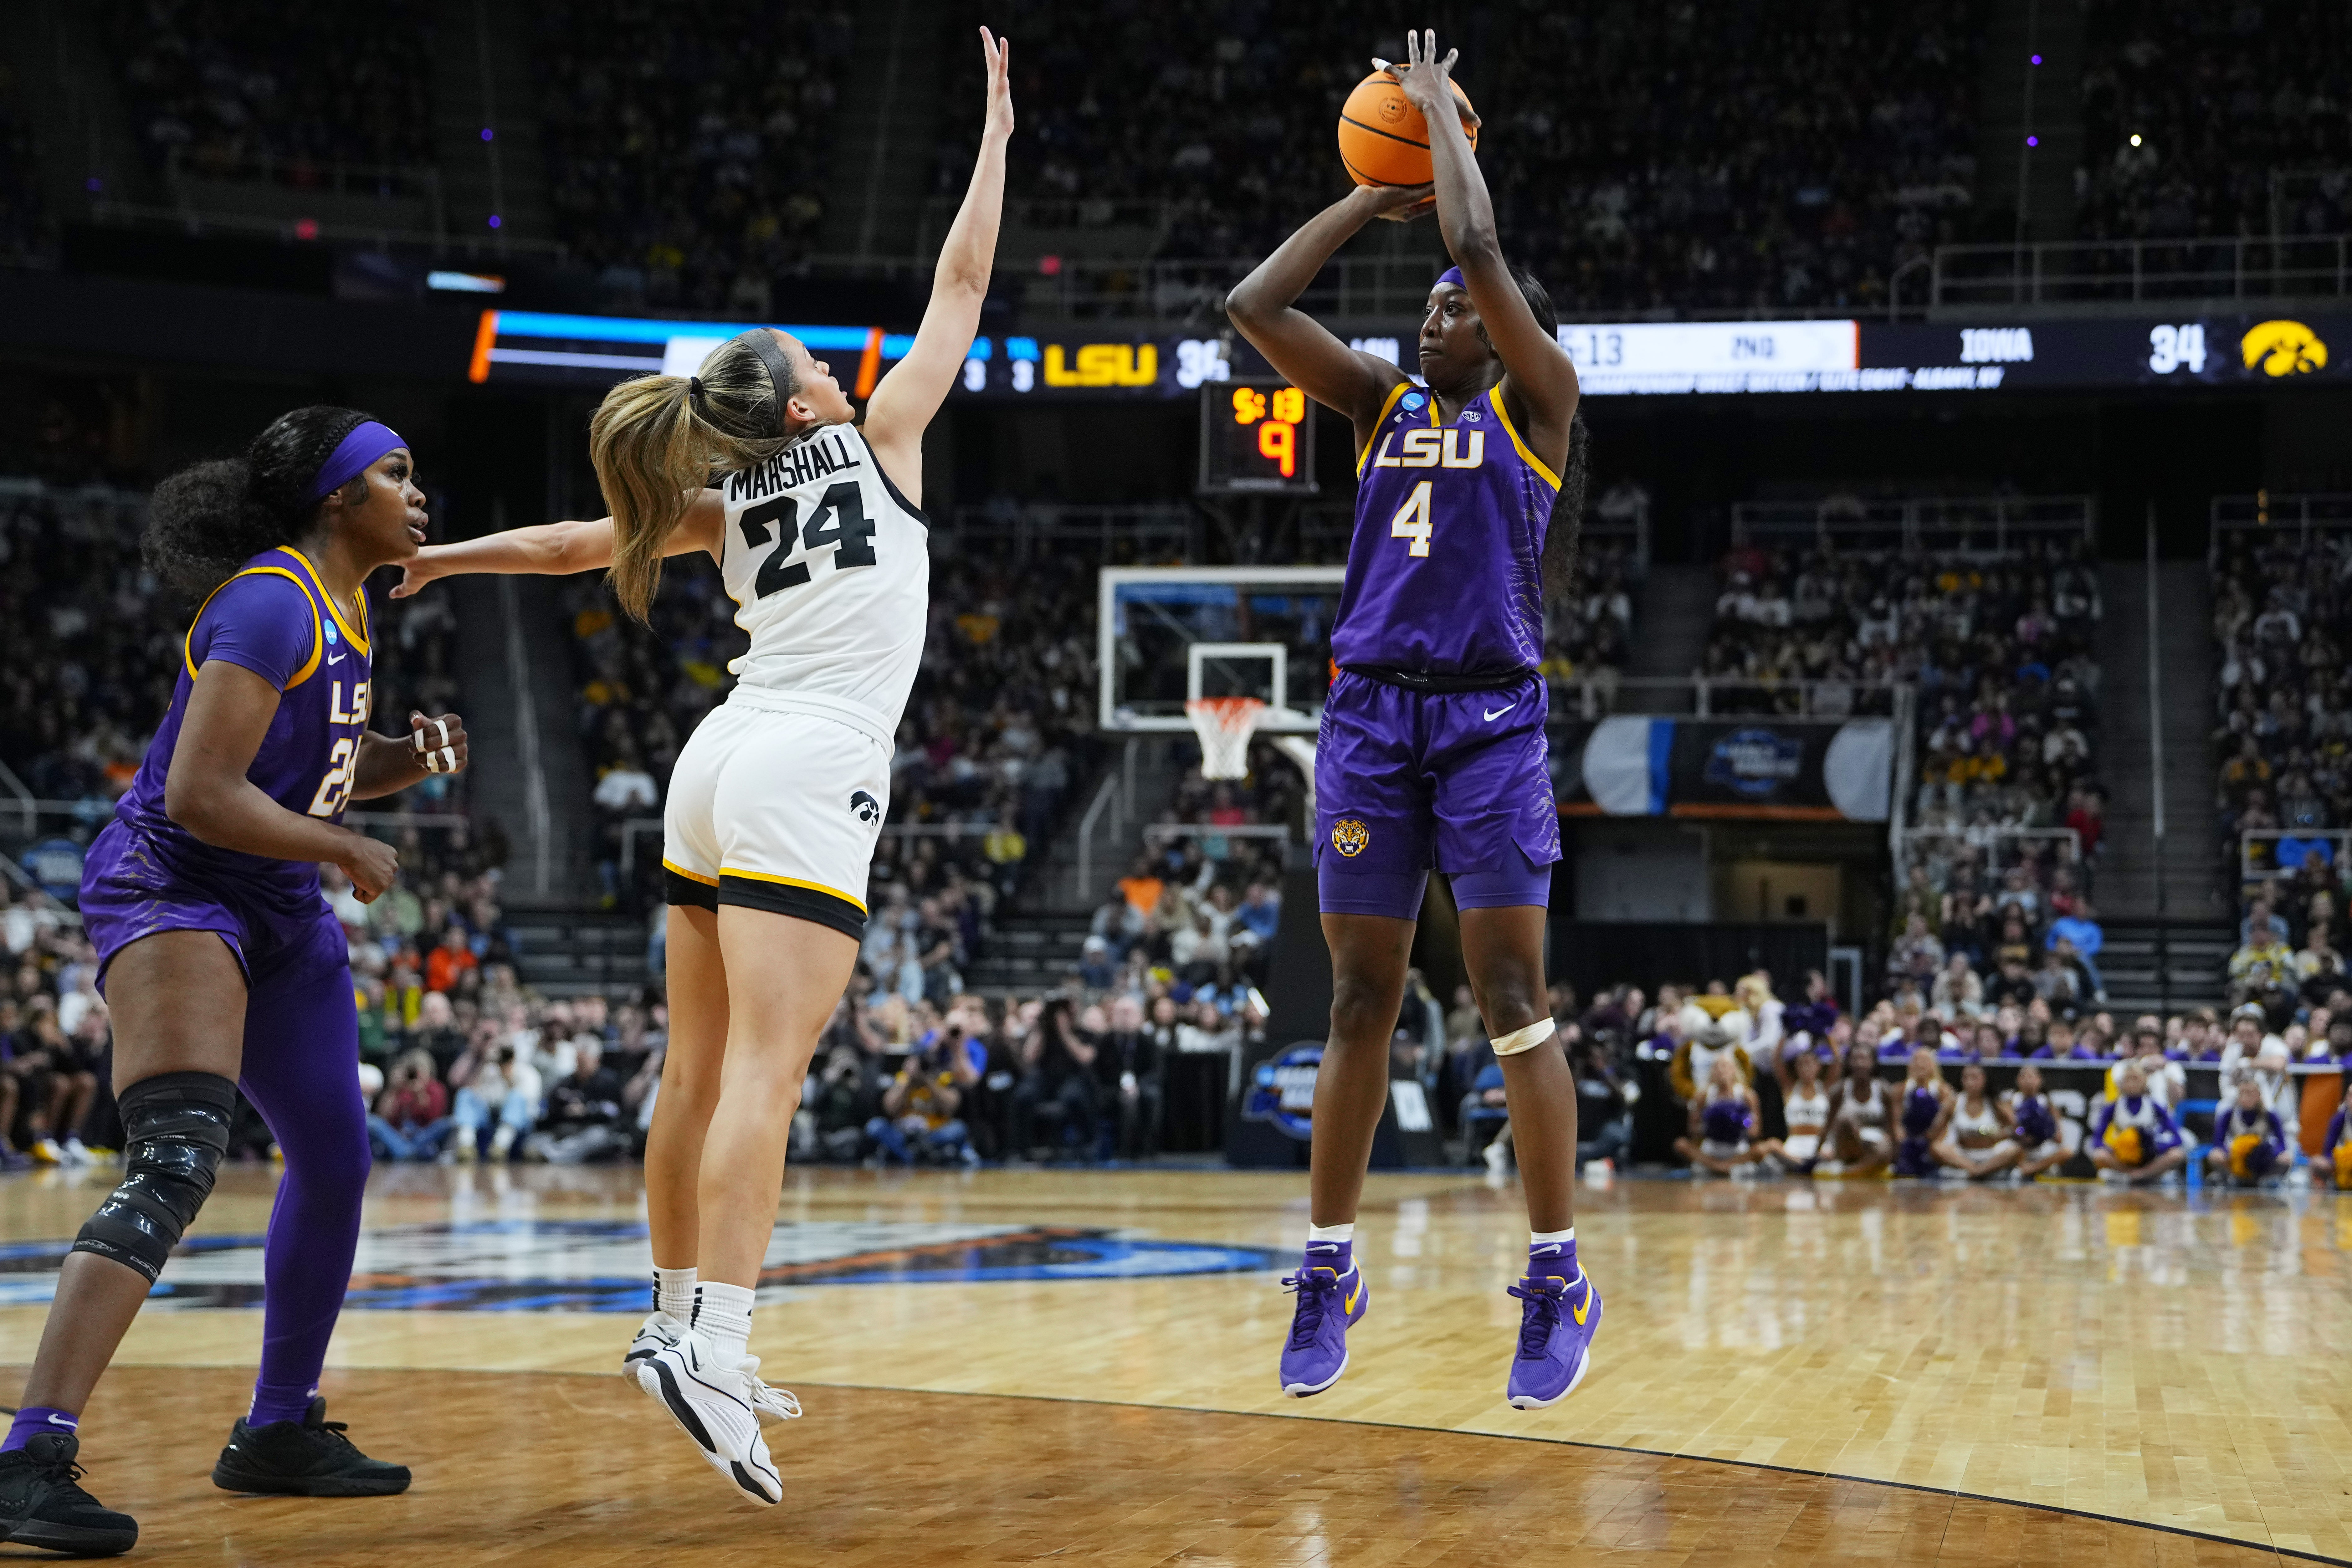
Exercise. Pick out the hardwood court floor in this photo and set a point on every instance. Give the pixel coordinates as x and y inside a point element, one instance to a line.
<point>2175,1360</point>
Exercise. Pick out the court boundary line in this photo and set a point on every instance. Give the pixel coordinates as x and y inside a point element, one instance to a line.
<point>1952,1492</point>
<point>1594,1447</point>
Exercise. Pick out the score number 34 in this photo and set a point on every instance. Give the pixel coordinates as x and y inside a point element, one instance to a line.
<point>2173,348</point>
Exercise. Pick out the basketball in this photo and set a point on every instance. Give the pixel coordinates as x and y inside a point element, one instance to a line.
<point>1384,139</point>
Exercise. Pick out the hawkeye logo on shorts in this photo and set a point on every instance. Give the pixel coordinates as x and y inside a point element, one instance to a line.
<point>1350,835</point>
<point>868,808</point>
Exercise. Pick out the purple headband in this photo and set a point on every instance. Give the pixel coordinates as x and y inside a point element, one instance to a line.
<point>352,456</point>
<point>1453,275</point>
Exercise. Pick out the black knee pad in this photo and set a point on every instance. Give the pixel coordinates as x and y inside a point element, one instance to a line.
<point>175,1130</point>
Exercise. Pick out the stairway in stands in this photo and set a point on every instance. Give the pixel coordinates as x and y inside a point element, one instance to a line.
<point>2158,966</point>
<point>563,950</point>
<point>1029,953</point>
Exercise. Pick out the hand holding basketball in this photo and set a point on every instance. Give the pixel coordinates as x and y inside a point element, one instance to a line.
<point>1384,125</point>
<point>1398,203</point>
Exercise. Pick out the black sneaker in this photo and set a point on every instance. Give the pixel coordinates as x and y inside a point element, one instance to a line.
<point>310,1458</point>
<point>42,1503</point>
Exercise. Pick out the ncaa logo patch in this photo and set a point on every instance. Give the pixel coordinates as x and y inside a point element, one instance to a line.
<point>1349,836</point>
<point>1411,400</point>
<point>868,808</point>
<point>330,631</point>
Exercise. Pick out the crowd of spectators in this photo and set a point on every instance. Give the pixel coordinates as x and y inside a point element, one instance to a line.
<point>1729,183</point>
<point>2227,120</point>
<point>2282,797</point>
<point>688,155</point>
<point>231,82</point>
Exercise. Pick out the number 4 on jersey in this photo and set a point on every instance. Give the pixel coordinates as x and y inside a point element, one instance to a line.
<point>1412,521</point>
<point>839,519</point>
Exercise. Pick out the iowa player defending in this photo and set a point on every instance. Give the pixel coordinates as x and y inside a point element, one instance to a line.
<point>1432,749</point>
<point>778,797</point>
<point>223,967</point>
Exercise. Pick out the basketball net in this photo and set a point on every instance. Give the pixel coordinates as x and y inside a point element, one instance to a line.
<point>1224,725</point>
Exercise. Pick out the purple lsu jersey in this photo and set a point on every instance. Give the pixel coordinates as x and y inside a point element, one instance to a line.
<point>274,618</point>
<point>1444,570</point>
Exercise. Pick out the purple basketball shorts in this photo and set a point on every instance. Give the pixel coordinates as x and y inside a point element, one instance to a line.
<point>1408,780</point>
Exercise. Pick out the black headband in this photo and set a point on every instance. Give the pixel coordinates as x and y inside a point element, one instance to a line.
<point>761,343</point>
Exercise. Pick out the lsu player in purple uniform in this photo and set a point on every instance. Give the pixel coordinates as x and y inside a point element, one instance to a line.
<point>1433,749</point>
<point>222,966</point>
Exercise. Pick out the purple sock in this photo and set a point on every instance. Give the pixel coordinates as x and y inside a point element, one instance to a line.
<point>34,1419</point>
<point>301,1038</point>
<point>1337,1256</point>
<point>1552,1257</point>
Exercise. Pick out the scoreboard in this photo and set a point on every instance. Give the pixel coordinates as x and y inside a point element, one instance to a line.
<point>1257,438</point>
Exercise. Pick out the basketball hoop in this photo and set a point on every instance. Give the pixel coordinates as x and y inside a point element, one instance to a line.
<point>1224,725</point>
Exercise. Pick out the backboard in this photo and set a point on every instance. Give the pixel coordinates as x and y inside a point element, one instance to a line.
<point>1167,633</point>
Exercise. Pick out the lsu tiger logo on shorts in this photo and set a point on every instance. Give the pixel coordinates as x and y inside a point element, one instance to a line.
<point>1349,836</point>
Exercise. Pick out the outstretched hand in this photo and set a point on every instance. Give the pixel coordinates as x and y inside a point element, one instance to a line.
<point>1000,84</point>
<point>1425,78</point>
<point>416,572</point>
<point>1398,203</point>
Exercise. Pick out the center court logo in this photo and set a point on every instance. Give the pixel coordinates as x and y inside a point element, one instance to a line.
<point>600,1266</point>
<point>1350,835</point>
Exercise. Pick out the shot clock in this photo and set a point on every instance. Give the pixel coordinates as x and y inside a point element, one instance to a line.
<point>1257,437</point>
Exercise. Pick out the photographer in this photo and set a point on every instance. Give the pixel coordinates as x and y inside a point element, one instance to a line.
<point>493,1083</point>
<point>919,1107</point>
<point>1128,1068</point>
<point>1057,1062</point>
<point>412,1114</point>
<point>583,1119</point>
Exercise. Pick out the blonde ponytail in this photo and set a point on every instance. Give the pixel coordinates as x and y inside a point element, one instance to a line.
<point>656,443</point>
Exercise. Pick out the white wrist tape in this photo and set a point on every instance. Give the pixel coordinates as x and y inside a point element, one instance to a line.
<point>433,748</point>
<point>1525,1039</point>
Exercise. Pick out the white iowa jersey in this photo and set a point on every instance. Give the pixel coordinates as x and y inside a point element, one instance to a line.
<point>831,574</point>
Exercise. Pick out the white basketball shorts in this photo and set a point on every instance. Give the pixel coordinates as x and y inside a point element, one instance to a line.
<point>776,809</point>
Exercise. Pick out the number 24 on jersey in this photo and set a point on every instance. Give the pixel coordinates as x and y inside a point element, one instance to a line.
<point>839,519</point>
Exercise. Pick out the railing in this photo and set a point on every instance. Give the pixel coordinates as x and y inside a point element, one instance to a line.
<point>1712,696</point>
<point>2301,515</point>
<point>2139,271</point>
<point>1992,840</point>
<point>1145,531</point>
<point>1918,525</point>
<point>388,182</point>
<point>1209,832</point>
<point>199,222</point>
<point>2259,849</point>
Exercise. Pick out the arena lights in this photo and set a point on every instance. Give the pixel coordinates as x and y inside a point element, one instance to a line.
<point>636,345</point>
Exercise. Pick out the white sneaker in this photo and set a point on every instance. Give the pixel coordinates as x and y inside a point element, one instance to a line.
<point>660,1331</point>
<point>713,1406</point>
<point>76,1154</point>
<point>1495,1154</point>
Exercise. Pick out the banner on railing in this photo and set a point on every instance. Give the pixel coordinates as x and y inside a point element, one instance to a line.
<point>1735,769</point>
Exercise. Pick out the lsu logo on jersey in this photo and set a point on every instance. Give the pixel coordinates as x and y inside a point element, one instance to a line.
<point>1349,837</point>
<point>2283,348</point>
<point>1430,446</point>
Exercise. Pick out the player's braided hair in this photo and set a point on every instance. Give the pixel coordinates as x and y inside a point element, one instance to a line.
<point>209,518</point>
<point>659,439</point>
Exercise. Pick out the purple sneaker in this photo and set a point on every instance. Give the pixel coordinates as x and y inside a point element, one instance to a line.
<point>1317,1352</point>
<point>1556,1330</point>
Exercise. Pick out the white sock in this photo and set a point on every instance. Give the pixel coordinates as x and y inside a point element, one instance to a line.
<point>1315,1233</point>
<point>674,1292</point>
<point>722,1314</point>
<point>1547,1237</point>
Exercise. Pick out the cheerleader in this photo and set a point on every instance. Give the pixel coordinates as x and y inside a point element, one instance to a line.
<point>1722,1123</point>
<point>1860,1110</point>
<point>2033,1124</point>
<point>1926,1108</point>
<point>2249,1144</point>
<point>2336,1150</point>
<point>2133,1138</point>
<point>1977,1141</point>
<point>1805,1106</point>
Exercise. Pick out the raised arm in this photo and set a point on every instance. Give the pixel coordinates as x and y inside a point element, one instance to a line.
<point>903,404</point>
<point>1263,307</point>
<point>556,549</point>
<point>1539,379</point>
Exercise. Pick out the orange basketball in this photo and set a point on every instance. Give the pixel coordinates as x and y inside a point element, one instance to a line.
<point>1384,139</point>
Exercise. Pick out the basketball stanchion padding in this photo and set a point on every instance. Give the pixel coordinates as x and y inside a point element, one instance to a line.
<point>1224,725</point>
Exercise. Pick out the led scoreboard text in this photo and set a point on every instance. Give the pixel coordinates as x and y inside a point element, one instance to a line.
<point>1256,436</point>
<point>1277,416</point>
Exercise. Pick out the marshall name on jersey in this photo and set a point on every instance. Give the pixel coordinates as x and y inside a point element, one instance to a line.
<point>829,566</point>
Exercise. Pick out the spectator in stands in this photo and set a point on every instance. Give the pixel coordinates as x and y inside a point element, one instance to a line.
<point>583,1119</point>
<point>1604,1108</point>
<point>2263,970</point>
<point>1057,1086</point>
<point>2078,938</point>
<point>1958,992</point>
<point>1129,1071</point>
<point>411,1119</point>
<point>919,1107</point>
<point>495,1084</point>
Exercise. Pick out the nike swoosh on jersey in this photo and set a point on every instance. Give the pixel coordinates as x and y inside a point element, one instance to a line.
<point>338,658</point>
<point>1495,713</point>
